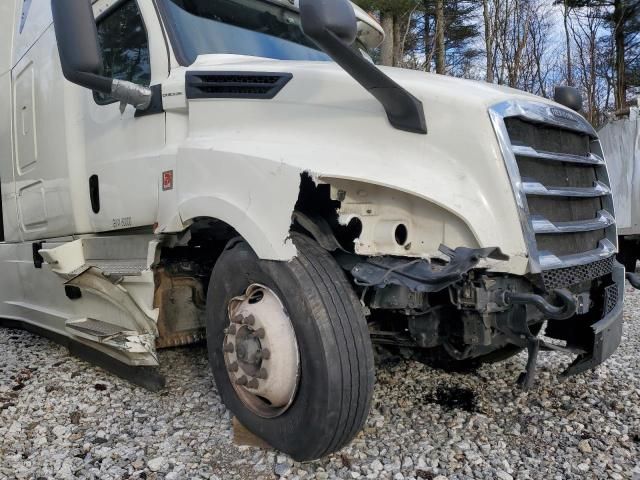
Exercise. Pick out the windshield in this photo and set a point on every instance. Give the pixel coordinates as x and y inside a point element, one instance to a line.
<point>241,27</point>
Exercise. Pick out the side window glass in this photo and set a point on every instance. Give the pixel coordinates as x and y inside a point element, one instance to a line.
<point>125,47</point>
<point>26,5</point>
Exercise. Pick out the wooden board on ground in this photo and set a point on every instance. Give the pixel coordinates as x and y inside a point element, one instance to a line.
<point>243,437</point>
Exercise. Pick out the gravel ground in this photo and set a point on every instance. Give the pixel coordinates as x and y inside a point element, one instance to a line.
<point>62,418</point>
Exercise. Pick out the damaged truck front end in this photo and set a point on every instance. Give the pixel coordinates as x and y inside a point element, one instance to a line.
<point>465,303</point>
<point>305,204</point>
<point>458,312</point>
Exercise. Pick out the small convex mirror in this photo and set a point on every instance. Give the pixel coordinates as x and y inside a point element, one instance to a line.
<point>569,97</point>
<point>323,17</point>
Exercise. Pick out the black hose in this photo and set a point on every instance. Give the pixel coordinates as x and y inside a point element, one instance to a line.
<point>561,312</point>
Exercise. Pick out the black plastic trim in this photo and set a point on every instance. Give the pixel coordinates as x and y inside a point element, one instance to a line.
<point>332,26</point>
<point>178,49</point>
<point>75,33</point>
<point>404,111</point>
<point>164,35</point>
<point>145,377</point>
<point>94,193</point>
<point>235,84</point>
<point>607,333</point>
<point>37,258</point>
<point>72,293</point>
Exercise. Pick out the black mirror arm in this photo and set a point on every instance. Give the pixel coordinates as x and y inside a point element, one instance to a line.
<point>405,112</point>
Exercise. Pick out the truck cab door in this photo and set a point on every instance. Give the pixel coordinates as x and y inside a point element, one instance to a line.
<point>122,146</point>
<point>41,183</point>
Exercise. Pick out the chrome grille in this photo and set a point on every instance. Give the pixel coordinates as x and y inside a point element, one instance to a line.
<point>562,188</point>
<point>561,185</point>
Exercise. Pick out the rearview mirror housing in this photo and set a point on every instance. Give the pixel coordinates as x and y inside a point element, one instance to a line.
<point>78,47</point>
<point>81,57</point>
<point>336,16</point>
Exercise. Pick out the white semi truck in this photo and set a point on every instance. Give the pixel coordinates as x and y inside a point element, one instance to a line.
<point>240,171</point>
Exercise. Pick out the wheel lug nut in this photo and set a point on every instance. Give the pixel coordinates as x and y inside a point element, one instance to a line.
<point>266,353</point>
<point>232,330</point>
<point>263,374</point>
<point>260,333</point>
<point>250,320</point>
<point>233,368</point>
<point>253,383</point>
<point>242,381</point>
<point>237,319</point>
<point>229,348</point>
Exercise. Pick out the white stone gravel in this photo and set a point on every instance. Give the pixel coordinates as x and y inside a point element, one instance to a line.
<point>62,418</point>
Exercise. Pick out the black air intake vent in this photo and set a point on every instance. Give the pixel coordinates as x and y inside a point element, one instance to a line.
<point>257,85</point>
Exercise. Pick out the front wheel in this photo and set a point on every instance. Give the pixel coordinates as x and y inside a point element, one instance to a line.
<point>628,254</point>
<point>290,349</point>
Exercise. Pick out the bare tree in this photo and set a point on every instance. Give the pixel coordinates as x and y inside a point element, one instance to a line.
<point>489,37</point>
<point>587,27</point>
<point>566,12</point>
<point>538,64</point>
<point>513,32</point>
<point>387,48</point>
<point>440,45</point>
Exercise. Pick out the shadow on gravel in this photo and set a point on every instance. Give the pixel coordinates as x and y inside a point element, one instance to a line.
<point>454,398</point>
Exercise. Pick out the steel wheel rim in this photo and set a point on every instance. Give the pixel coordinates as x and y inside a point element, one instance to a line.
<point>261,352</point>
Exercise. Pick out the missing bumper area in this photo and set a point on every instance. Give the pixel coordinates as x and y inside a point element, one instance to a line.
<point>470,315</point>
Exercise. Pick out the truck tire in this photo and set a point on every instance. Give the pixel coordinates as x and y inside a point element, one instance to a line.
<point>627,254</point>
<point>629,260</point>
<point>289,347</point>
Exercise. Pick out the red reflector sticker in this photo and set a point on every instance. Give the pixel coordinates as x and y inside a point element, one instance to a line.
<point>167,180</point>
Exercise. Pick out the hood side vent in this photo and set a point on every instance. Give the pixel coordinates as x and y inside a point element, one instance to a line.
<point>255,85</point>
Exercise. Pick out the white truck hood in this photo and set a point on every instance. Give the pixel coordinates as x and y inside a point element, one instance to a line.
<point>421,84</point>
<point>324,123</point>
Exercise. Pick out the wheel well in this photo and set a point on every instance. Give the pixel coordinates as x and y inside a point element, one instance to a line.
<point>316,204</point>
<point>198,248</point>
<point>182,277</point>
<point>186,262</point>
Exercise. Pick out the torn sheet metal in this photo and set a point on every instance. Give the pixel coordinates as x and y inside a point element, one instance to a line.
<point>93,281</point>
<point>420,275</point>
